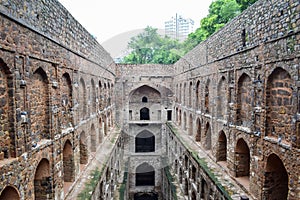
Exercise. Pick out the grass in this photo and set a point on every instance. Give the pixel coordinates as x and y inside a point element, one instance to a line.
<point>124,183</point>
<point>89,188</point>
<point>86,194</point>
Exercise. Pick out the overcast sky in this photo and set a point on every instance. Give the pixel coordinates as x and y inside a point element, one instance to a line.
<point>105,19</point>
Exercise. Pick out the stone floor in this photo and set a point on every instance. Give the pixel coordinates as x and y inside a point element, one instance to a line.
<point>97,159</point>
<point>238,186</point>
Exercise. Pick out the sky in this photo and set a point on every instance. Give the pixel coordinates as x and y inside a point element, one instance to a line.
<point>105,19</point>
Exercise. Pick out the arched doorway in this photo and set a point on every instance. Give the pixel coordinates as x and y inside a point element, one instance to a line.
<point>276,179</point>
<point>206,99</point>
<point>39,104</point>
<point>207,136</point>
<point>145,142</point>
<point>242,159</point>
<point>190,125</point>
<point>145,175</point>
<point>93,139</point>
<point>9,193</point>
<point>194,197</point>
<point>84,154</point>
<point>244,107</point>
<point>42,181</point>
<point>279,100</point>
<point>204,189</point>
<point>184,121</point>
<point>100,130</point>
<point>222,147</point>
<point>145,196</point>
<point>68,161</point>
<point>198,133</point>
<point>144,114</point>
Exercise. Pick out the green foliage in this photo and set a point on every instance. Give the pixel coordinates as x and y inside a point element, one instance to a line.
<point>220,12</point>
<point>245,3</point>
<point>150,47</point>
<point>86,194</point>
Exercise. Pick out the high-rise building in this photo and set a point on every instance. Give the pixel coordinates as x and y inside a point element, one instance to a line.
<point>178,27</point>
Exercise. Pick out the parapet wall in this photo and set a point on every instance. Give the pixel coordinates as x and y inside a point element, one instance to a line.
<point>262,22</point>
<point>50,18</point>
<point>241,89</point>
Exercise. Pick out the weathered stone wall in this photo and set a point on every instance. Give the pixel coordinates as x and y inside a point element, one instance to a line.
<point>129,78</point>
<point>191,178</point>
<point>51,19</point>
<point>244,82</point>
<point>56,82</point>
<point>111,172</point>
<point>145,95</point>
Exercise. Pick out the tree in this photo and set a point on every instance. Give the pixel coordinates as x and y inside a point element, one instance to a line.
<point>245,3</point>
<point>150,47</point>
<point>220,12</point>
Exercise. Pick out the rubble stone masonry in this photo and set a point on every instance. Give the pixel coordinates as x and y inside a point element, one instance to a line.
<point>233,102</point>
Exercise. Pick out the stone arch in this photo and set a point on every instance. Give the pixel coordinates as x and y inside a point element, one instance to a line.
<point>179,116</point>
<point>207,98</point>
<point>145,196</point>
<point>100,130</point>
<point>176,114</point>
<point>190,94</point>
<point>104,124</point>
<point>68,162</point>
<point>242,159</point>
<point>275,179</point>
<point>184,121</point>
<point>194,196</point>
<point>84,153</point>
<point>204,189</point>
<point>7,140</point>
<point>153,95</point>
<point>100,95</point>
<point>105,94</point>
<point>190,125</point>
<point>82,96</point>
<point>180,93</point>
<point>109,119</point>
<point>93,139</point>
<point>108,93</point>
<point>39,105</point>
<point>207,136</point>
<point>66,100</point>
<point>184,93</point>
<point>145,142</point>
<point>177,93</point>
<point>93,96</point>
<point>198,132</point>
<point>42,181</point>
<point>198,95</point>
<point>180,175</point>
<point>144,99</point>
<point>145,114</point>
<point>186,186</point>
<point>281,108</point>
<point>221,147</point>
<point>244,106</point>
<point>9,192</point>
<point>145,175</point>
<point>221,98</point>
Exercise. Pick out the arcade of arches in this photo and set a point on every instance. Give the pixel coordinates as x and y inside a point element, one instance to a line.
<point>223,122</point>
